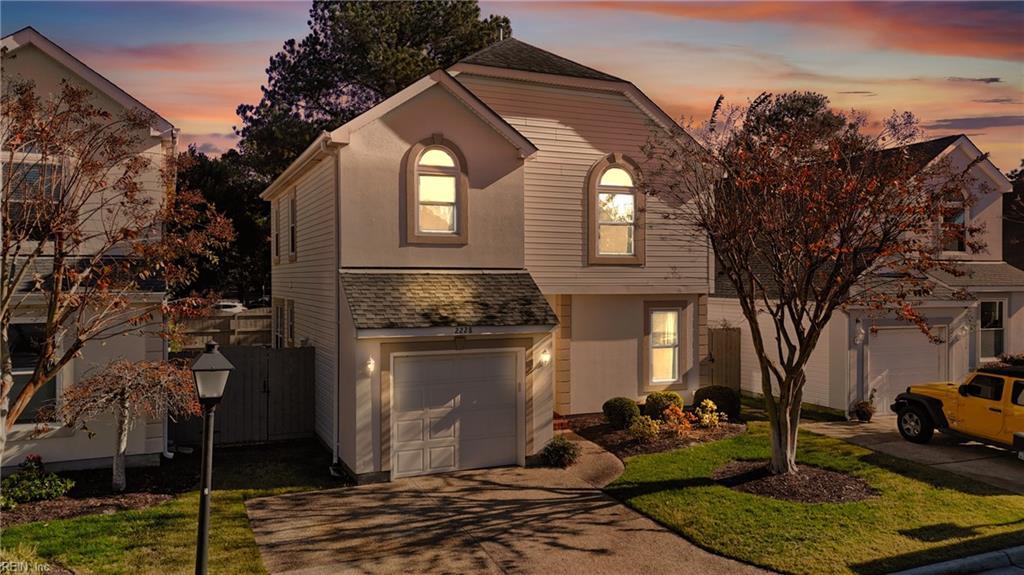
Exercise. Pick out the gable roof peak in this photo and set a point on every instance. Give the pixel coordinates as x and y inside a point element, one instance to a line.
<point>514,54</point>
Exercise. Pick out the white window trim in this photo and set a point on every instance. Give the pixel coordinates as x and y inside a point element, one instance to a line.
<point>7,158</point>
<point>1006,333</point>
<point>289,318</point>
<point>277,230</point>
<point>955,254</point>
<point>452,172</point>
<point>678,346</point>
<point>58,379</point>
<point>277,333</point>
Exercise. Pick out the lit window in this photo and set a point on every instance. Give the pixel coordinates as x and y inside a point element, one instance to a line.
<point>26,343</point>
<point>616,211</point>
<point>664,346</point>
<point>992,330</point>
<point>437,192</point>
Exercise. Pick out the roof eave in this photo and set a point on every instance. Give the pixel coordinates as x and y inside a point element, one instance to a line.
<point>318,149</point>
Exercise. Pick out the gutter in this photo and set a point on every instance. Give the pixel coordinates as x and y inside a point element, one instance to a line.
<point>315,151</point>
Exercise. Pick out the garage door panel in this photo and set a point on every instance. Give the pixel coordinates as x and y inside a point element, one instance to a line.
<point>902,357</point>
<point>454,412</point>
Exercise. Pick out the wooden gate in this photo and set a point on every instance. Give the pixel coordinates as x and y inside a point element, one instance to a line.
<point>269,397</point>
<point>725,348</point>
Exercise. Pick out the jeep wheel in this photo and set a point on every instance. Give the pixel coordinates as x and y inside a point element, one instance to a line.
<point>915,424</point>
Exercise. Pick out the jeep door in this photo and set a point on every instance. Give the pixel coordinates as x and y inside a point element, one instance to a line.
<point>1013,417</point>
<point>981,407</point>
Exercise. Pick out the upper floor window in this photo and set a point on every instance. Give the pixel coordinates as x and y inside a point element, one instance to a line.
<point>616,226</point>
<point>293,216</point>
<point>436,193</point>
<point>954,222</point>
<point>277,230</point>
<point>34,188</point>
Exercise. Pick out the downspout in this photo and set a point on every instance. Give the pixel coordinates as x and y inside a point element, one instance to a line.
<point>337,305</point>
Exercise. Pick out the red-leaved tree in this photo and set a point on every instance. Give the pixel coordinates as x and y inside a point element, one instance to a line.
<point>129,390</point>
<point>93,232</point>
<point>809,210</point>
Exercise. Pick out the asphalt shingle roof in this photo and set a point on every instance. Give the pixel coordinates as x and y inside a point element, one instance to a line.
<point>515,54</point>
<point>395,300</point>
<point>983,274</point>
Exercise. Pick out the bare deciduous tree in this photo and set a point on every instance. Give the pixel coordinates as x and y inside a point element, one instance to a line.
<point>809,210</point>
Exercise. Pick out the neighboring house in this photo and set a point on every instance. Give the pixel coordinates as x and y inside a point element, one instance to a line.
<point>859,353</point>
<point>1013,225</point>
<point>472,256</point>
<point>33,57</point>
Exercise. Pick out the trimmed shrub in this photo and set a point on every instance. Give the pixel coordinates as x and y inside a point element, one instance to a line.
<point>561,452</point>
<point>620,412</point>
<point>658,401</point>
<point>33,483</point>
<point>725,398</point>
<point>644,429</point>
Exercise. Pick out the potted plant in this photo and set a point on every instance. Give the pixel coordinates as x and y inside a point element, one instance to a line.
<point>865,409</point>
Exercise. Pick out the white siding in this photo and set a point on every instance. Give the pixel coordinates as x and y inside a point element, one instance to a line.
<point>310,279</point>
<point>573,129</point>
<point>817,390</point>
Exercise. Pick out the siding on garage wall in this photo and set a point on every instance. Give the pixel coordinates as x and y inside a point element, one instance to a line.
<point>818,389</point>
<point>573,129</point>
<point>310,280</point>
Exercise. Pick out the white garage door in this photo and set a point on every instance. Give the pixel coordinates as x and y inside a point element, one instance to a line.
<point>454,412</point>
<point>898,357</point>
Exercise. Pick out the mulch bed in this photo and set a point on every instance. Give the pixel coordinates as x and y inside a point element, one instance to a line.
<point>594,428</point>
<point>810,485</point>
<point>147,486</point>
<point>66,507</point>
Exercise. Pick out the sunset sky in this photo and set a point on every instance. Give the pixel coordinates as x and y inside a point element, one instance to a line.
<point>958,66</point>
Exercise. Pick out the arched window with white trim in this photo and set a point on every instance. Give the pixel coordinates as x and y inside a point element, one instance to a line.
<point>436,193</point>
<point>616,226</point>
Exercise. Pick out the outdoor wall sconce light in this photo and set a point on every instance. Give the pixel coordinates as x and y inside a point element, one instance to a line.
<point>858,334</point>
<point>545,358</point>
<point>370,365</point>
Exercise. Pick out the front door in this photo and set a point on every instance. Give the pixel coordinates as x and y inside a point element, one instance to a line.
<point>980,409</point>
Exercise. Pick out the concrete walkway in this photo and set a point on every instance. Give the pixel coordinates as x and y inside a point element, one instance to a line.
<point>992,465</point>
<point>504,520</point>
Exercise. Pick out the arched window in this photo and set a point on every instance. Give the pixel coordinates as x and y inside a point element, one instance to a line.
<point>615,208</point>
<point>436,186</point>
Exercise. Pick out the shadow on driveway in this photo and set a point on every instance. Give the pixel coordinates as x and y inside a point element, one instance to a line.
<point>504,520</point>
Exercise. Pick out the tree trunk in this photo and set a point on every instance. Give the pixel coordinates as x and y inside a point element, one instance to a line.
<point>121,447</point>
<point>784,426</point>
<point>6,385</point>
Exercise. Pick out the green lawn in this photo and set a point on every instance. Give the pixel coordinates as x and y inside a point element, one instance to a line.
<point>161,539</point>
<point>922,515</point>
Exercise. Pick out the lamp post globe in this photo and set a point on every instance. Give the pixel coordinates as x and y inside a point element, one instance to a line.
<point>210,371</point>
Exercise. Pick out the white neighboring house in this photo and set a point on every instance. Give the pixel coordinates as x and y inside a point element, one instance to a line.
<point>860,353</point>
<point>471,257</point>
<point>34,57</point>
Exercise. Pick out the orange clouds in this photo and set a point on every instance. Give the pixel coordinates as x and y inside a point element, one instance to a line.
<point>974,30</point>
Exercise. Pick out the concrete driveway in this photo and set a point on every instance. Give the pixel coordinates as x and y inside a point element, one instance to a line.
<point>505,520</point>
<point>992,465</point>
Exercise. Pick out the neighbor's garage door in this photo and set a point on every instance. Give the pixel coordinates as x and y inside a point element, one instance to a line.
<point>454,411</point>
<point>898,357</point>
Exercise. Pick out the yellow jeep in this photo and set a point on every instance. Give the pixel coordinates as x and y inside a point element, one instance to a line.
<point>988,407</point>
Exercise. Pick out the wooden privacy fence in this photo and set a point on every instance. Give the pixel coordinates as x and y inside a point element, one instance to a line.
<point>269,397</point>
<point>725,348</point>
<point>250,327</point>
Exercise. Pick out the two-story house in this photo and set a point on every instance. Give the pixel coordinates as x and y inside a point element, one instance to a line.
<point>31,56</point>
<point>861,353</point>
<point>473,255</point>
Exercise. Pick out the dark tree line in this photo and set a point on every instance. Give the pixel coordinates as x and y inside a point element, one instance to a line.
<point>355,55</point>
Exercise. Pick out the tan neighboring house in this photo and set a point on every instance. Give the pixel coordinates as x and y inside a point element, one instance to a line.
<point>472,257</point>
<point>860,353</point>
<point>33,57</point>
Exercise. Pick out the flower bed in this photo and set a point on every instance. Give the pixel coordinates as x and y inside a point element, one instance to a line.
<point>618,441</point>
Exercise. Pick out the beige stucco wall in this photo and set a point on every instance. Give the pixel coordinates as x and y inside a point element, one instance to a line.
<point>373,207</point>
<point>607,349</point>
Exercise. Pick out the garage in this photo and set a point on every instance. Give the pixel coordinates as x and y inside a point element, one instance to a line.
<point>899,357</point>
<point>455,410</point>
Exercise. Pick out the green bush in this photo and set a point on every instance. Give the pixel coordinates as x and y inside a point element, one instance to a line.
<point>33,483</point>
<point>726,398</point>
<point>644,429</point>
<point>659,401</point>
<point>7,504</point>
<point>561,452</point>
<point>620,412</point>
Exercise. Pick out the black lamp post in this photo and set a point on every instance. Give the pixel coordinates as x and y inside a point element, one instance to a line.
<point>210,370</point>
